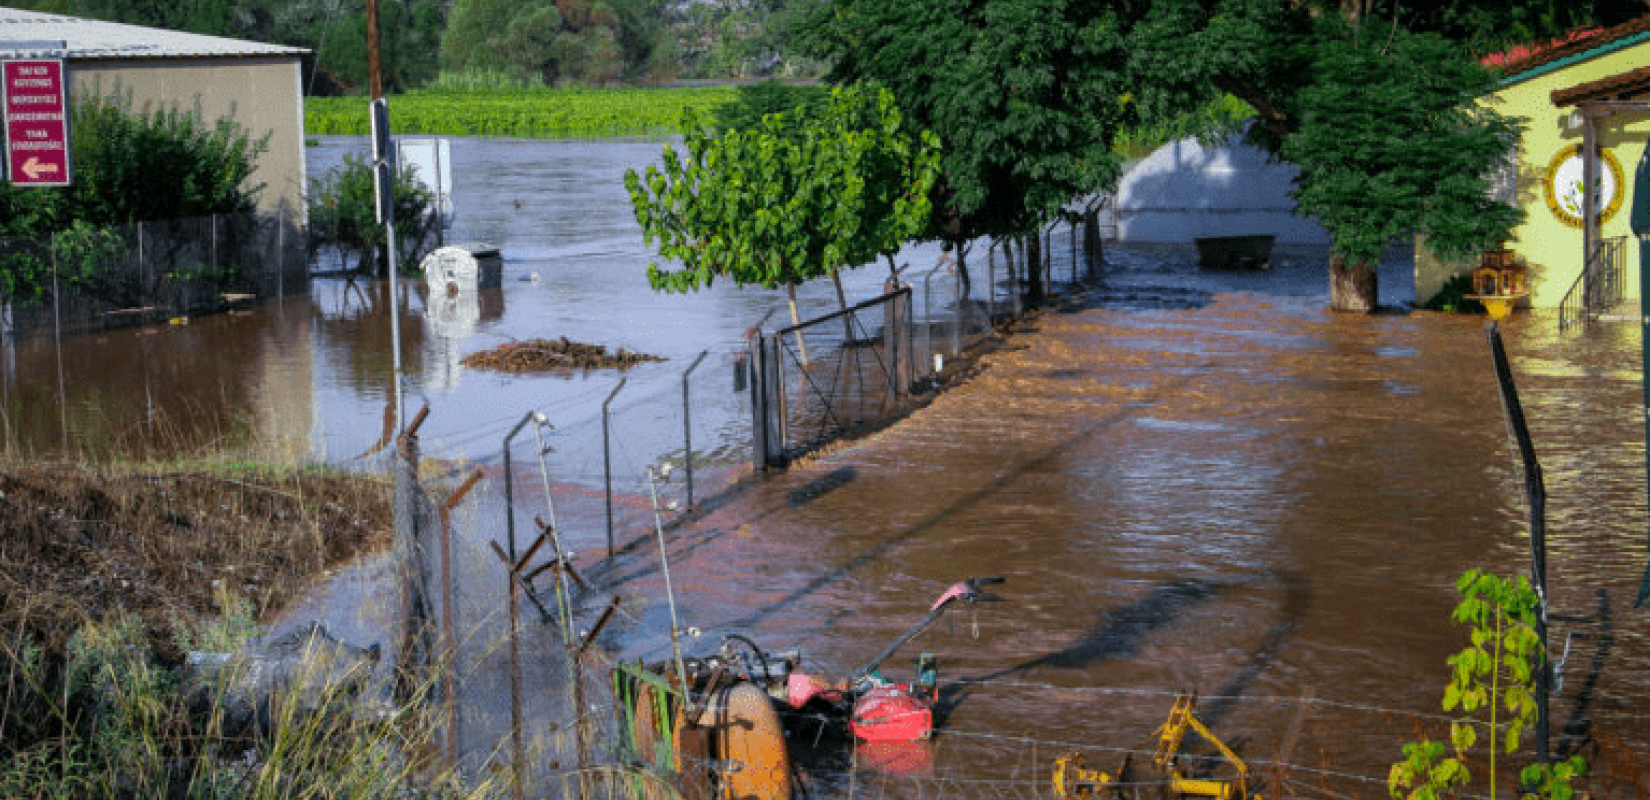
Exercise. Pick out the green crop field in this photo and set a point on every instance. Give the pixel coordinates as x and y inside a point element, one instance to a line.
<point>547,114</point>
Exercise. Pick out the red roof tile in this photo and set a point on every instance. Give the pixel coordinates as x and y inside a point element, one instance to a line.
<point>1523,59</point>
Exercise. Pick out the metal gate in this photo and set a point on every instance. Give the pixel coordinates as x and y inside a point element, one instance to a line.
<point>829,376</point>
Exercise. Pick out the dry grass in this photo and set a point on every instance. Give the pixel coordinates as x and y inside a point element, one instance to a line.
<point>80,543</point>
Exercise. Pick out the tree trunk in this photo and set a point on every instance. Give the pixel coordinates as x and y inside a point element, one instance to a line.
<point>1034,269</point>
<point>1351,288</point>
<point>801,345</point>
<point>842,305</point>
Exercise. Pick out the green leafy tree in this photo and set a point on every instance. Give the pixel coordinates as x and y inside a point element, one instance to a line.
<point>742,38</point>
<point>217,17</point>
<point>471,24</point>
<point>1495,676</point>
<point>753,101</point>
<point>594,41</point>
<point>409,40</point>
<point>779,204</point>
<point>1359,82</point>
<point>1388,149</point>
<point>1028,96</point>
<point>1023,93</point>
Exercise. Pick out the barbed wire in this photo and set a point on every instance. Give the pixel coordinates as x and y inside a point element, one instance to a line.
<point>1302,699</point>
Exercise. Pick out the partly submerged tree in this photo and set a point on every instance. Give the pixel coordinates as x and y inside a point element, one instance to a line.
<point>1382,120</point>
<point>343,217</point>
<point>1387,150</point>
<point>782,203</point>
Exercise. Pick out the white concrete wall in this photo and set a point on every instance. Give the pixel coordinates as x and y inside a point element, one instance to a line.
<point>1185,190</point>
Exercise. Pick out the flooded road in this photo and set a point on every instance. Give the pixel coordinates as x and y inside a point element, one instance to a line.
<point>1192,482</point>
<point>1226,491</point>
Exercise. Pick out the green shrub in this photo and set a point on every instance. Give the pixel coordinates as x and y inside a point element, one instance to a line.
<point>343,217</point>
<point>1493,688</point>
<point>129,166</point>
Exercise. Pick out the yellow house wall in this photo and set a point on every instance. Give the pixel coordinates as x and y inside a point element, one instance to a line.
<point>1551,248</point>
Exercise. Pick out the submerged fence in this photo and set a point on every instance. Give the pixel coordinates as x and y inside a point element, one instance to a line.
<point>858,367</point>
<point>95,279</point>
<point>528,629</point>
<point>523,545</point>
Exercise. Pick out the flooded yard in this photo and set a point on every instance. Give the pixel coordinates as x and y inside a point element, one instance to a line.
<point>1192,482</point>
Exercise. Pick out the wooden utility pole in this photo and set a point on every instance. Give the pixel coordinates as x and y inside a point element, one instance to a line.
<point>373,66</point>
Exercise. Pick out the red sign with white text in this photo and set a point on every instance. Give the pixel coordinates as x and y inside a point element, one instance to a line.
<point>37,123</point>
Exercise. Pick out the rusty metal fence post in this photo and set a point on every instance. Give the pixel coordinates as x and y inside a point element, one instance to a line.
<point>411,554</point>
<point>891,329</point>
<point>779,418</point>
<point>1072,230</point>
<point>991,287</point>
<point>758,389</point>
<point>687,425</point>
<point>513,567</point>
<point>607,460</point>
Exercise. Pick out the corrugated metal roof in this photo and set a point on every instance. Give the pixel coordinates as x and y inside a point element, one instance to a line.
<point>23,34</point>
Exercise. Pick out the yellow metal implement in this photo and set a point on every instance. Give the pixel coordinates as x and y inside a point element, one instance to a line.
<point>1073,781</point>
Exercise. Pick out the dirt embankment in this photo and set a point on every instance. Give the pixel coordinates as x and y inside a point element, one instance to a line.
<point>79,544</point>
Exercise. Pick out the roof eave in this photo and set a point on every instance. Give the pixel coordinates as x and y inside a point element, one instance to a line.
<point>1574,58</point>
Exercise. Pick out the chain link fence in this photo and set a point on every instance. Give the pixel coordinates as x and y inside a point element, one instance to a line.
<point>93,280</point>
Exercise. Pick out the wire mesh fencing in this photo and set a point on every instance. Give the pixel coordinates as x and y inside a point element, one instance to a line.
<point>836,373</point>
<point>537,703</point>
<point>963,298</point>
<point>94,279</point>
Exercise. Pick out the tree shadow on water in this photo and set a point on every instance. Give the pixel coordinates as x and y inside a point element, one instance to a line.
<point>1119,634</point>
<point>1122,632</point>
<point>1578,728</point>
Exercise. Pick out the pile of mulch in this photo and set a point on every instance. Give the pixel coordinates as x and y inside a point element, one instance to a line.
<point>544,355</point>
<point>79,544</point>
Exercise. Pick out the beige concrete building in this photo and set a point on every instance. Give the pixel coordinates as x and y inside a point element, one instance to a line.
<point>256,85</point>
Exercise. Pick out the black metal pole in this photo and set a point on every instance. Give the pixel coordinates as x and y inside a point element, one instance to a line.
<point>1535,490</point>
<point>1639,221</point>
<point>1644,354</point>
<point>509,492</point>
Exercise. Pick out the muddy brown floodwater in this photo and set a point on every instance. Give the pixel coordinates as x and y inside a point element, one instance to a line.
<point>1234,493</point>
